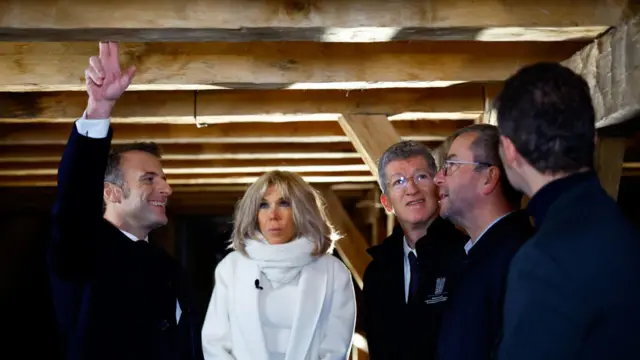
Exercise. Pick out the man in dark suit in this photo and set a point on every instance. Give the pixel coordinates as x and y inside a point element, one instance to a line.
<point>408,281</point>
<point>573,288</point>
<point>476,195</point>
<point>116,296</point>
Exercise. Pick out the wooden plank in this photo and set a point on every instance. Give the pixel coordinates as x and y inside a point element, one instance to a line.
<point>611,67</point>
<point>213,167</point>
<point>462,101</point>
<point>371,135</point>
<point>291,20</point>
<point>272,65</point>
<point>609,162</point>
<point>353,246</point>
<point>261,133</point>
<point>220,106</point>
<point>181,152</point>
<point>48,181</point>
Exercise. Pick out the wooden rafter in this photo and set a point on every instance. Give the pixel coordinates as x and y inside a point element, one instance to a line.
<point>303,20</point>
<point>220,106</point>
<point>271,65</point>
<point>299,132</point>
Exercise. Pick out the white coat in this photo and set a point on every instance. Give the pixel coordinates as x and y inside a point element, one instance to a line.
<point>323,324</point>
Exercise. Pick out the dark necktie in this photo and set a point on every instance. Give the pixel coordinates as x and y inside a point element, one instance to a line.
<point>413,282</point>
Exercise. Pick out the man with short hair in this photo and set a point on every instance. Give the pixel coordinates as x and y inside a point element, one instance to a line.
<point>116,296</point>
<point>407,283</point>
<point>573,288</point>
<point>476,195</point>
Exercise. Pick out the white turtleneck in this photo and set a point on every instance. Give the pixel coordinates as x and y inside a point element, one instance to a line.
<point>277,308</point>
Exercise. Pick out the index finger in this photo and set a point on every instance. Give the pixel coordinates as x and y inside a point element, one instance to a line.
<point>104,50</point>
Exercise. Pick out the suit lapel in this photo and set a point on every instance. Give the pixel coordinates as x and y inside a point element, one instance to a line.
<point>311,293</point>
<point>247,312</point>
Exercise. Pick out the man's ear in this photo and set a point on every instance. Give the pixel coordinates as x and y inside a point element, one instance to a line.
<point>509,152</point>
<point>112,193</point>
<point>384,200</point>
<point>491,181</point>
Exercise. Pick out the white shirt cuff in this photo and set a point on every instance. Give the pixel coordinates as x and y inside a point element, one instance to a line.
<point>94,128</point>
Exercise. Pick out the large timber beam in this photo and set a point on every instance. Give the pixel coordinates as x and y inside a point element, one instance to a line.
<point>304,20</point>
<point>261,133</point>
<point>611,66</point>
<point>273,65</point>
<point>370,135</point>
<point>352,247</point>
<point>196,167</point>
<point>462,101</point>
<point>315,178</point>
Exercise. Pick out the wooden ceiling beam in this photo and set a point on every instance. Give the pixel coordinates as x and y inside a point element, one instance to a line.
<point>463,101</point>
<point>258,133</point>
<point>182,152</point>
<point>296,20</point>
<point>213,167</point>
<point>50,180</point>
<point>273,65</point>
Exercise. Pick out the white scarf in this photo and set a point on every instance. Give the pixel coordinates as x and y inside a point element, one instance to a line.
<point>280,263</point>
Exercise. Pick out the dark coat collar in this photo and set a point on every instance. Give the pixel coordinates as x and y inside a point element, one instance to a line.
<point>511,230</point>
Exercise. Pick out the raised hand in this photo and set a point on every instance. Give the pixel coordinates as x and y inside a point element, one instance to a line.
<point>105,80</point>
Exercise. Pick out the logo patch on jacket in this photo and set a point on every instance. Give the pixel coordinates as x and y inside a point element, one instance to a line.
<point>438,293</point>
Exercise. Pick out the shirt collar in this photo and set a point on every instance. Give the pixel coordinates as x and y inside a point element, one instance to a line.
<point>407,249</point>
<point>133,237</point>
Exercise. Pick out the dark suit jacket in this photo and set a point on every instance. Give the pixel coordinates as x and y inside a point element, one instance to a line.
<point>473,318</point>
<point>114,298</point>
<point>397,330</point>
<point>573,288</point>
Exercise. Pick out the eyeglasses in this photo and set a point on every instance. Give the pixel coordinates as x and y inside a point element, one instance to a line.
<point>400,183</point>
<point>449,163</point>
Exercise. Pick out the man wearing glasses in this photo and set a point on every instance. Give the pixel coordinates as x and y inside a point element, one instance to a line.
<point>476,195</point>
<point>407,283</point>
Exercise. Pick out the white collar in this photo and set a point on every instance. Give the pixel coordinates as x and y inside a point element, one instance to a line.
<point>133,237</point>
<point>407,249</point>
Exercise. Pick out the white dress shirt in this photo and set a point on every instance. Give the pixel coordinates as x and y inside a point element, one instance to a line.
<point>98,129</point>
<point>407,267</point>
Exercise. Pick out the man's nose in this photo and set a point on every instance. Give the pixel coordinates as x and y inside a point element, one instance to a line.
<point>412,187</point>
<point>165,188</point>
<point>439,178</point>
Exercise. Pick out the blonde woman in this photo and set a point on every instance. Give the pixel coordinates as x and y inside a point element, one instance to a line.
<point>280,294</point>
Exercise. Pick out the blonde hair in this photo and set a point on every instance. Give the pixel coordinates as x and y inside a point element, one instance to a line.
<point>309,216</point>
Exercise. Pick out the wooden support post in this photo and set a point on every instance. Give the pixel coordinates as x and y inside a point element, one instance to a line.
<point>609,157</point>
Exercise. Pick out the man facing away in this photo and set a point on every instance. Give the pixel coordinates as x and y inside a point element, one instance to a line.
<point>573,288</point>
<point>407,283</point>
<point>476,195</point>
<point>116,296</point>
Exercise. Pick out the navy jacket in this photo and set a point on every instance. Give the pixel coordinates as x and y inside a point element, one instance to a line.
<point>472,321</point>
<point>573,288</point>
<point>397,330</point>
<point>114,298</point>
